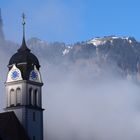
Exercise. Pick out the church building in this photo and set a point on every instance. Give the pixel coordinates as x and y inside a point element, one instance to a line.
<point>23,116</point>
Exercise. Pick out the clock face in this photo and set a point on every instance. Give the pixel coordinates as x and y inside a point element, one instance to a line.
<point>15,74</point>
<point>34,75</point>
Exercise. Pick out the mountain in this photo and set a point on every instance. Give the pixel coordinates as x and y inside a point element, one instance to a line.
<point>122,54</point>
<point>51,52</point>
<point>124,51</point>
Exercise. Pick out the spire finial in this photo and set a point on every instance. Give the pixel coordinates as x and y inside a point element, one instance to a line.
<point>23,23</point>
<point>23,46</point>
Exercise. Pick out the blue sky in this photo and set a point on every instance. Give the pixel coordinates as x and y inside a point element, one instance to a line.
<point>71,21</point>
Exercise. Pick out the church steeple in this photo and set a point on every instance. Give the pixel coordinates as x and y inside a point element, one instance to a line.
<point>24,90</point>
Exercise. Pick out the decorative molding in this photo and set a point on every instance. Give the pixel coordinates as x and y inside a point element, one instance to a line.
<point>38,75</point>
<point>9,76</point>
<point>24,81</point>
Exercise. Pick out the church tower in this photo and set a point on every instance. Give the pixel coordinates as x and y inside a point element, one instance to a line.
<point>24,90</point>
<point>1,28</point>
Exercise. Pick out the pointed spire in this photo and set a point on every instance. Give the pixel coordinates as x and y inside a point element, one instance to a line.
<point>23,46</point>
<point>0,15</point>
<point>1,28</point>
<point>23,23</point>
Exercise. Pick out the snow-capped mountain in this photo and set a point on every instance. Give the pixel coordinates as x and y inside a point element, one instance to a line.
<point>123,52</point>
<point>100,41</point>
<point>120,52</point>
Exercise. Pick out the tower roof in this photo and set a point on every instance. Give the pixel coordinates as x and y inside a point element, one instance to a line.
<point>24,54</point>
<point>10,127</point>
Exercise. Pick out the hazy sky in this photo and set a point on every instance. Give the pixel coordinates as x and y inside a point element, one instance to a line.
<point>79,105</point>
<point>71,20</point>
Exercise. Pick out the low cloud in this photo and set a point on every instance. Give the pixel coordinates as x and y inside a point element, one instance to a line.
<point>83,105</point>
<point>94,108</point>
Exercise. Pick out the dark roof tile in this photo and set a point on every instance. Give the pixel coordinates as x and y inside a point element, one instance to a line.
<point>10,127</point>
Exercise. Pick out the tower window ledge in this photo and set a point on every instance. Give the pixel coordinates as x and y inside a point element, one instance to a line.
<point>12,105</point>
<point>18,104</point>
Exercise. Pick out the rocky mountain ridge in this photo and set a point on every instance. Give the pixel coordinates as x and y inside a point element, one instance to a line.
<point>120,53</point>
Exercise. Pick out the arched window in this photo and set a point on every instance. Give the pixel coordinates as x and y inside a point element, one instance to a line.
<point>12,97</point>
<point>18,96</point>
<point>30,96</point>
<point>36,98</point>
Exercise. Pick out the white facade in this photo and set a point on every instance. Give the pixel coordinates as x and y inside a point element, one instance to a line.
<point>24,97</point>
